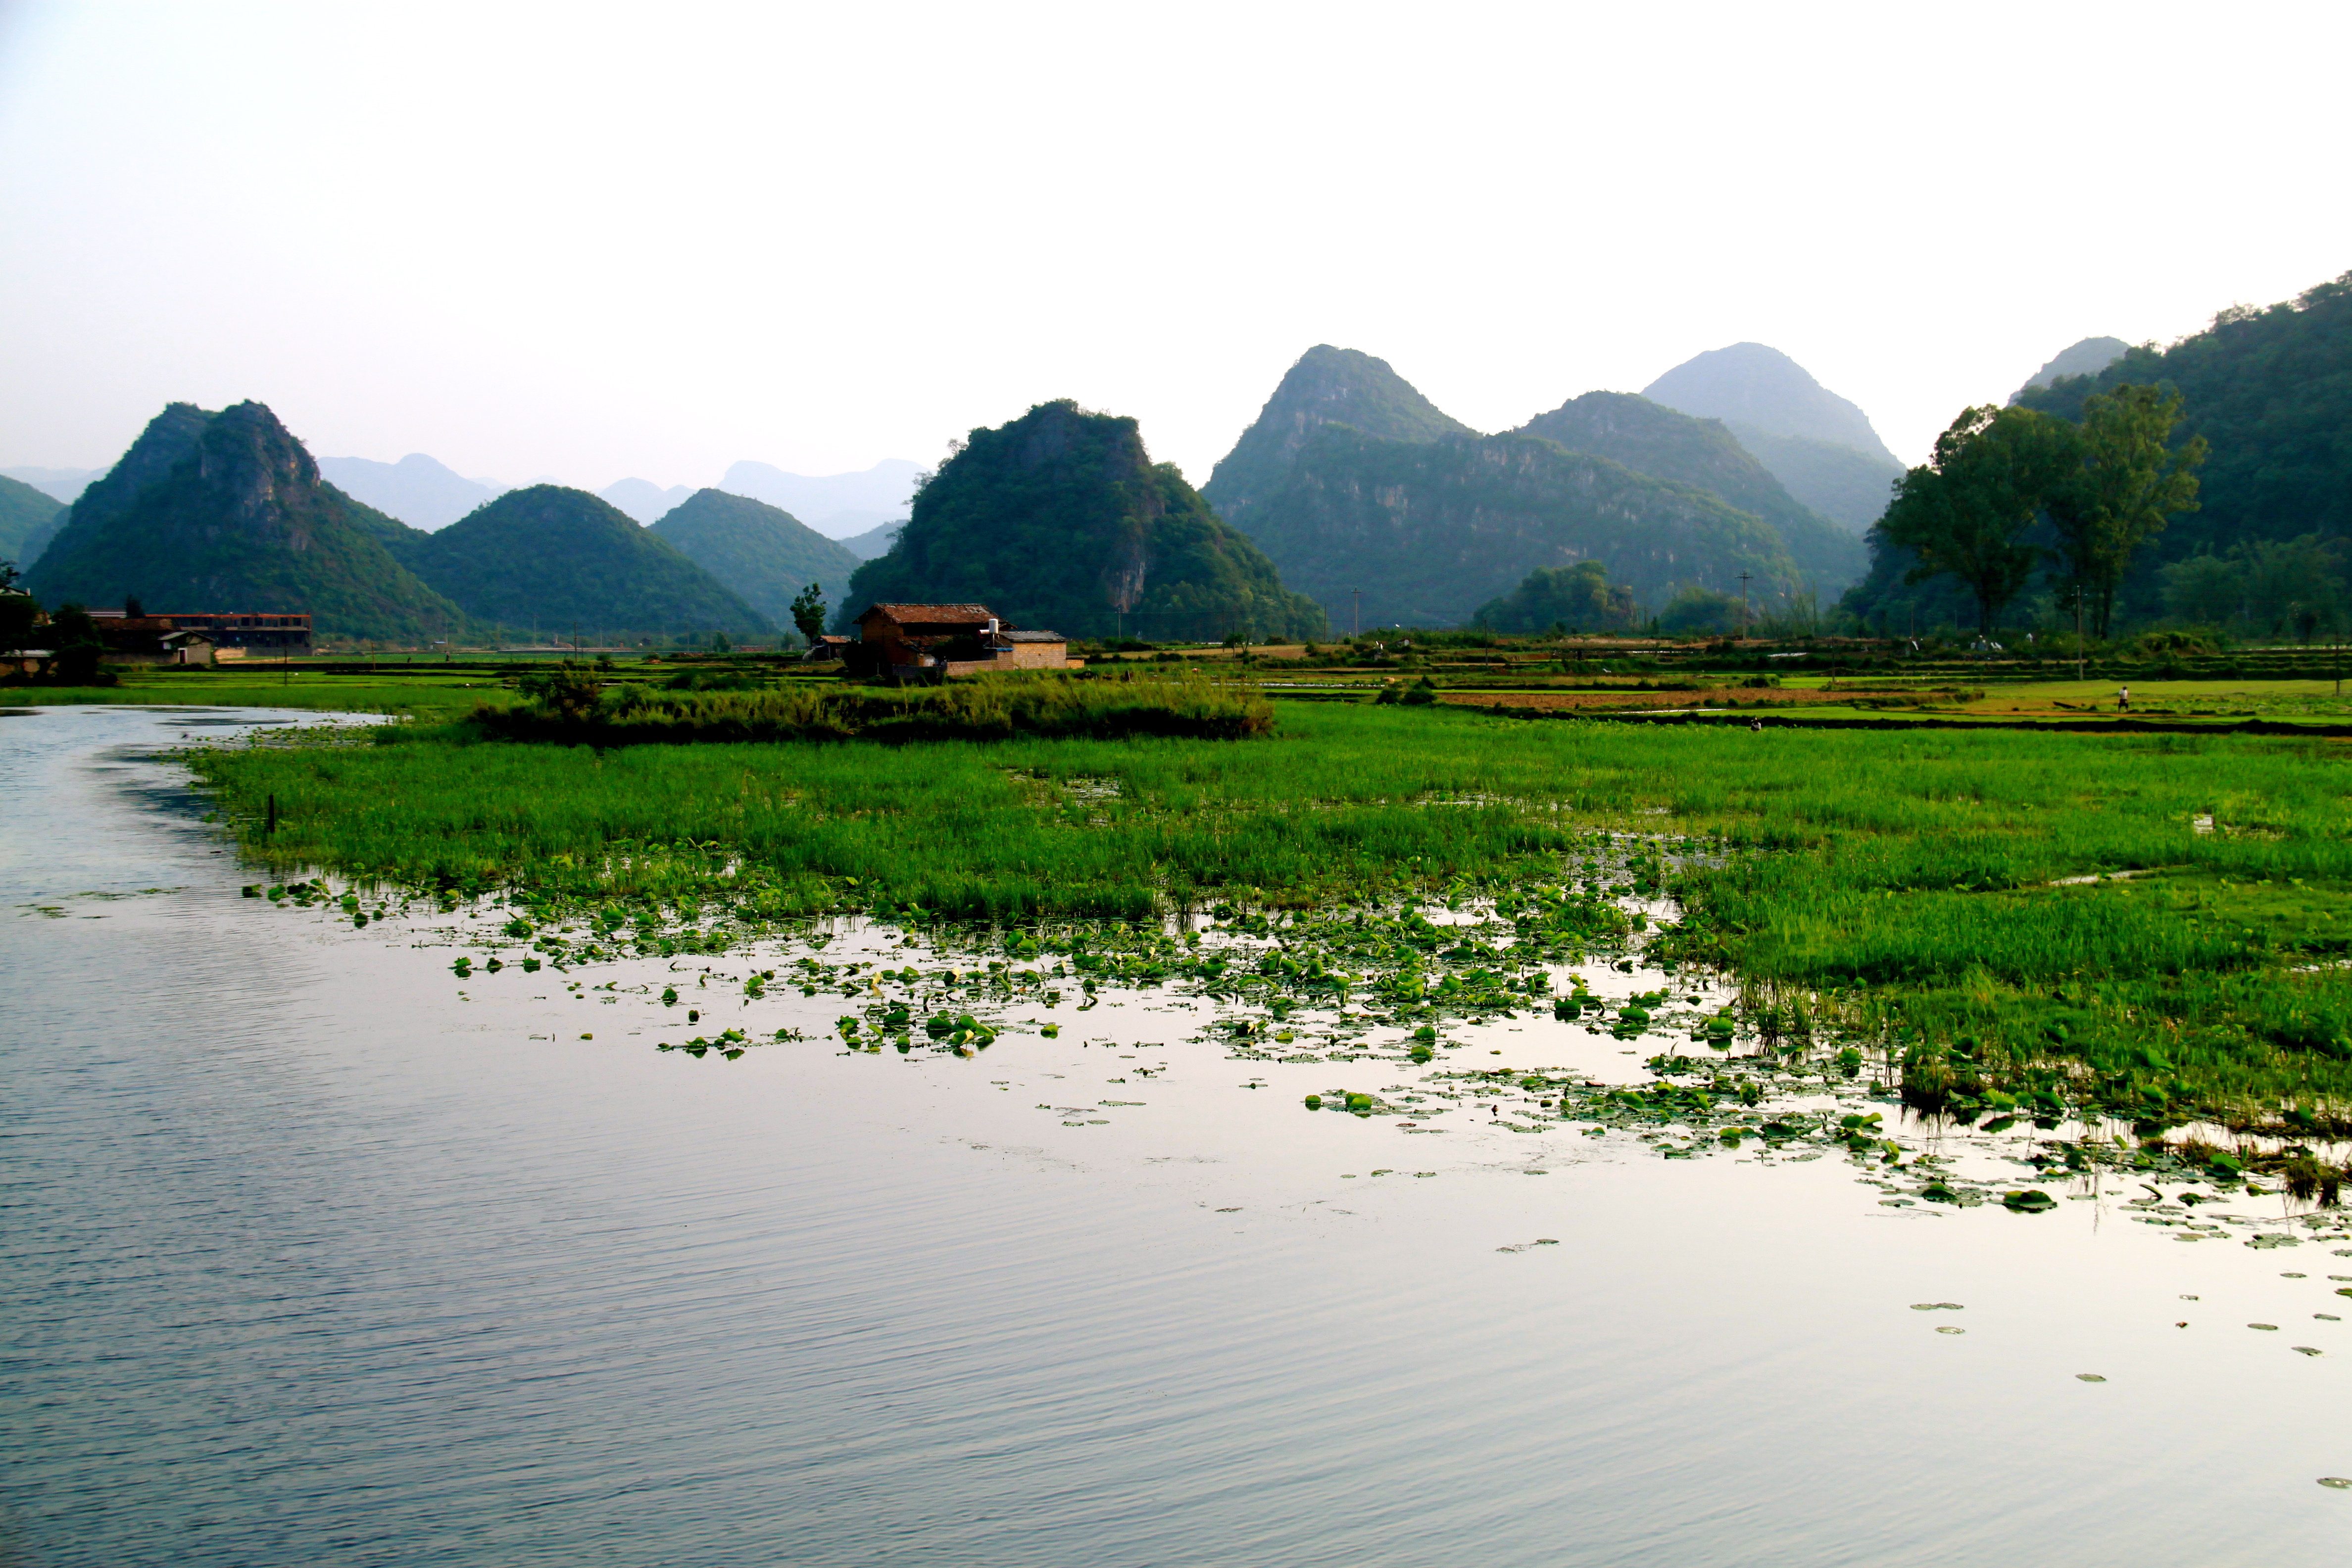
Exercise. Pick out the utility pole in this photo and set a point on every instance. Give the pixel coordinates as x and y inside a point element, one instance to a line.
<point>1356,623</point>
<point>1743,606</point>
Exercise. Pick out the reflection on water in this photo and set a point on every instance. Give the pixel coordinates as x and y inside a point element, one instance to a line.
<point>320,1253</point>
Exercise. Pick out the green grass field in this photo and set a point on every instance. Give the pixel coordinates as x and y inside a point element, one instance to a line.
<point>1916,888</point>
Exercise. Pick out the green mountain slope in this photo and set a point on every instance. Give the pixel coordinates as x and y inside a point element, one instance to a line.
<point>764,554</point>
<point>1327,386</point>
<point>548,557</point>
<point>2271,391</point>
<point>1061,520</point>
<point>1431,530</point>
<point>25,513</point>
<point>1848,486</point>
<point>226,511</point>
<point>1665,445</point>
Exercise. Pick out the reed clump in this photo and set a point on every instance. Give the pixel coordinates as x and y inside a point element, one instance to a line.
<point>1189,706</point>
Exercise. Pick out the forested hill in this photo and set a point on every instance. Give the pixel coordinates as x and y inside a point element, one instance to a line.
<point>549,557</point>
<point>1431,530</point>
<point>1850,487</point>
<point>1061,520</point>
<point>25,515</point>
<point>2271,391</point>
<point>1658,441</point>
<point>765,555</point>
<point>1327,386</point>
<point>226,511</point>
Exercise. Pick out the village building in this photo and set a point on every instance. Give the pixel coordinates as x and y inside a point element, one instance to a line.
<point>153,640</point>
<point>941,642</point>
<point>233,634</point>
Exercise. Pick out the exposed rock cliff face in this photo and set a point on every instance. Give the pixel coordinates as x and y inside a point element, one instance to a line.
<point>1060,519</point>
<point>226,511</point>
<point>1658,441</point>
<point>1327,386</point>
<point>1430,530</point>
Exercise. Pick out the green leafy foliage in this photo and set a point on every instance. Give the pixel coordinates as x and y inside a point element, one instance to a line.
<point>2269,389</point>
<point>1060,521</point>
<point>1577,598</point>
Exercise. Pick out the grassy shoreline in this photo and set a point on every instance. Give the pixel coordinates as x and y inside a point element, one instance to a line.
<point>1918,889</point>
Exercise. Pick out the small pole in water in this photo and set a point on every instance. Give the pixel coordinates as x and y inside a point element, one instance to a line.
<point>272,826</point>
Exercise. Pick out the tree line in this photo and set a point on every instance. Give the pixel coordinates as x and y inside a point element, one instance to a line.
<point>2104,487</point>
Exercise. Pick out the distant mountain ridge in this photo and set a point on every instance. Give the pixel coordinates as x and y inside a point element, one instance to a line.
<point>2087,357</point>
<point>873,542</point>
<point>1430,530</point>
<point>1652,439</point>
<point>1758,386</point>
<point>418,491</point>
<point>1327,386</point>
<point>642,499</point>
<point>27,518</point>
<point>762,554</point>
<point>227,511</point>
<point>839,506</point>
<point>65,484</point>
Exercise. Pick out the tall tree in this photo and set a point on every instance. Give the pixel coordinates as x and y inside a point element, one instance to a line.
<point>1965,510</point>
<point>2130,480</point>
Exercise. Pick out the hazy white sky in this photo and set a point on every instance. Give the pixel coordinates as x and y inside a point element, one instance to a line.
<point>603,240</point>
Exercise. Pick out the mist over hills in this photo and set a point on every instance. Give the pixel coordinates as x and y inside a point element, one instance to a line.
<point>2087,357</point>
<point>1061,520</point>
<point>1327,386</point>
<point>418,491</point>
<point>1848,486</point>
<point>1431,530</point>
<point>642,499</point>
<point>1652,439</point>
<point>873,542</point>
<point>227,511</point>
<point>548,557</point>
<point>27,518</point>
<point>1749,385</point>
<point>65,484</point>
<point>761,553</point>
<point>839,506</point>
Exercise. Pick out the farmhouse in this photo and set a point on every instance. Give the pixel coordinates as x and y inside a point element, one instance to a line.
<point>936,642</point>
<point>151,640</point>
<point>232,632</point>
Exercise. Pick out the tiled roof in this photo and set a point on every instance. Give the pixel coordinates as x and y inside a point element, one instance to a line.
<point>934,615</point>
<point>1032,637</point>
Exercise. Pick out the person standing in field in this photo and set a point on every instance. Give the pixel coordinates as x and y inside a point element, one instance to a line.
<point>2123,698</point>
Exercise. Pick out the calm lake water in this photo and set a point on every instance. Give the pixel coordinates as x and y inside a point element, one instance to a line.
<point>318,1254</point>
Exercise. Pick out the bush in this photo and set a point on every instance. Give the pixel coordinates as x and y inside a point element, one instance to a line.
<point>987,709</point>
